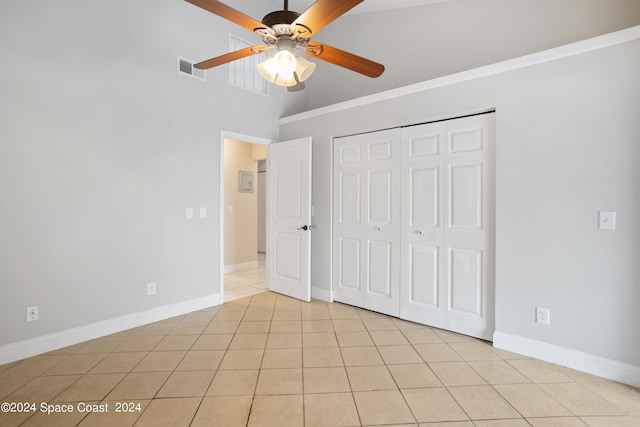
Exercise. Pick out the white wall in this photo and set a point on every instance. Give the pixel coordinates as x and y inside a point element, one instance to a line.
<point>567,133</point>
<point>102,147</point>
<point>420,43</point>
<point>241,224</point>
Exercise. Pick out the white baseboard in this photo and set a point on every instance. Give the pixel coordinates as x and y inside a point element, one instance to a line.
<point>34,346</point>
<point>321,294</point>
<point>585,362</point>
<point>234,268</point>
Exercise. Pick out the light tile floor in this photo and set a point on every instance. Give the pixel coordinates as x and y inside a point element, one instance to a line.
<point>269,360</point>
<point>248,282</point>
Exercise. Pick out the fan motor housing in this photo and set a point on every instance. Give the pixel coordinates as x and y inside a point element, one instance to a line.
<point>280,17</point>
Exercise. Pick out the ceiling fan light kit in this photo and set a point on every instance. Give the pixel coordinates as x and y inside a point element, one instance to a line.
<point>287,31</point>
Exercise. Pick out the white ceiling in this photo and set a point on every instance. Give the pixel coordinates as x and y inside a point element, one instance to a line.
<point>364,7</point>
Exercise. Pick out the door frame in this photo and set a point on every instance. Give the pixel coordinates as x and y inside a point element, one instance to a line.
<point>240,137</point>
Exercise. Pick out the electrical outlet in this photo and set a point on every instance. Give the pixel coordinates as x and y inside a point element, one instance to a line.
<point>543,316</point>
<point>151,289</point>
<point>33,313</point>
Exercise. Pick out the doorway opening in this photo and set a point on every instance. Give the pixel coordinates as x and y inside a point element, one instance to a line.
<point>243,186</point>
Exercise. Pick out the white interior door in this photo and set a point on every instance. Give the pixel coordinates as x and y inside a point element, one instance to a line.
<point>262,211</point>
<point>367,221</point>
<point>289,189</point>
<point>448,225</point>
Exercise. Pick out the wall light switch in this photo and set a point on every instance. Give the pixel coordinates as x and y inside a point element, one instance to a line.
<point>230,209</point>
<point>607,220</point>
<point>189,213</point>
<point>203,212</point>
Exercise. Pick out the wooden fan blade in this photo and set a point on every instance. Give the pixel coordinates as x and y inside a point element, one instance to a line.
<point>344,59</point>
<point>228,57</point>
<point>228,13</point>
<point>323,12</point>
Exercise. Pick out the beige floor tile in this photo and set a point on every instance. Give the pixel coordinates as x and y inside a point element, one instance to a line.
<point>221,327</point>
<point>326,380</point>
<point>277,411</point>
<point>77,364</point>
<point>520,422</point>
<point>322,357</point>
<point>186,384</point>
<point>286,327</point>
<point>449,424</point>
<point>241,359</point>
<point>102,345</point>
<point>330,410</point>
<point>227,411</point>
<point>380,324</point>
<point>317,326</point>
<point>341,312</point>
<point>257,316</point>
<point>284,341</point>
<point>234,383</point>
<point>201,361</point>
<point>176,412</point>
<point>248,342</point>
<point>414,376</point>
<point>531,401</point>
<point>158,328</point>
<point>538,371</point>
<point>433,405</point>
<point>279,381</point>
<point>483,403</point>
<point>32,367</point>
<point>253,328</point>
<point>282,358</point>
<point>160,361</point>
<point>319,339</point>
<point>612,421</point>
<point>189,328</point>
<point>92,387</point>
<point>449,337</point>
<point>369,404</point>
<point>119,362</point>
<point>388,338</point>
<point>287,315</point>
<point>9,385</point>
<point>354,339</point>
<point>580,400</point>
<point>456,374</point>
<point>212,342</point>
<point>139,385</point>
<point>348,325</point>
<point>556,422</point>
<point>42,419</point>
<point>399,354</point>
<point>361,356</point>
<point>421,336</point>
<point>139,343</point>
<point>437,353</point>
<point>477,350</point>
<point>42,389</point>
<point>498,372</point>
<point>176,342</point>
<point>369,378</point>
<point>623,396</point>
<point>316,315</point>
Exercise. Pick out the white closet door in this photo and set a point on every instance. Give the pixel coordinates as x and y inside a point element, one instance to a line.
<point>448,225</point>
<point>367,221</point>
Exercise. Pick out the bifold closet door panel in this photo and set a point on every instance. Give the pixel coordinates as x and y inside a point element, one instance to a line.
<point>448,225</point>
<point>366,243</point>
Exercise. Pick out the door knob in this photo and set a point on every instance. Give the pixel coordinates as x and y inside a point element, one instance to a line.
<point>420,232</point>
<point>379,228</point>
<point>304,227</point>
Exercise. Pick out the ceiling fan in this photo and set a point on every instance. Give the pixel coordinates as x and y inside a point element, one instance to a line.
<point>286,31</point>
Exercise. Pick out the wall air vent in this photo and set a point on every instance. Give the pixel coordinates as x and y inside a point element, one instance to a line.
<point>185,66</point>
